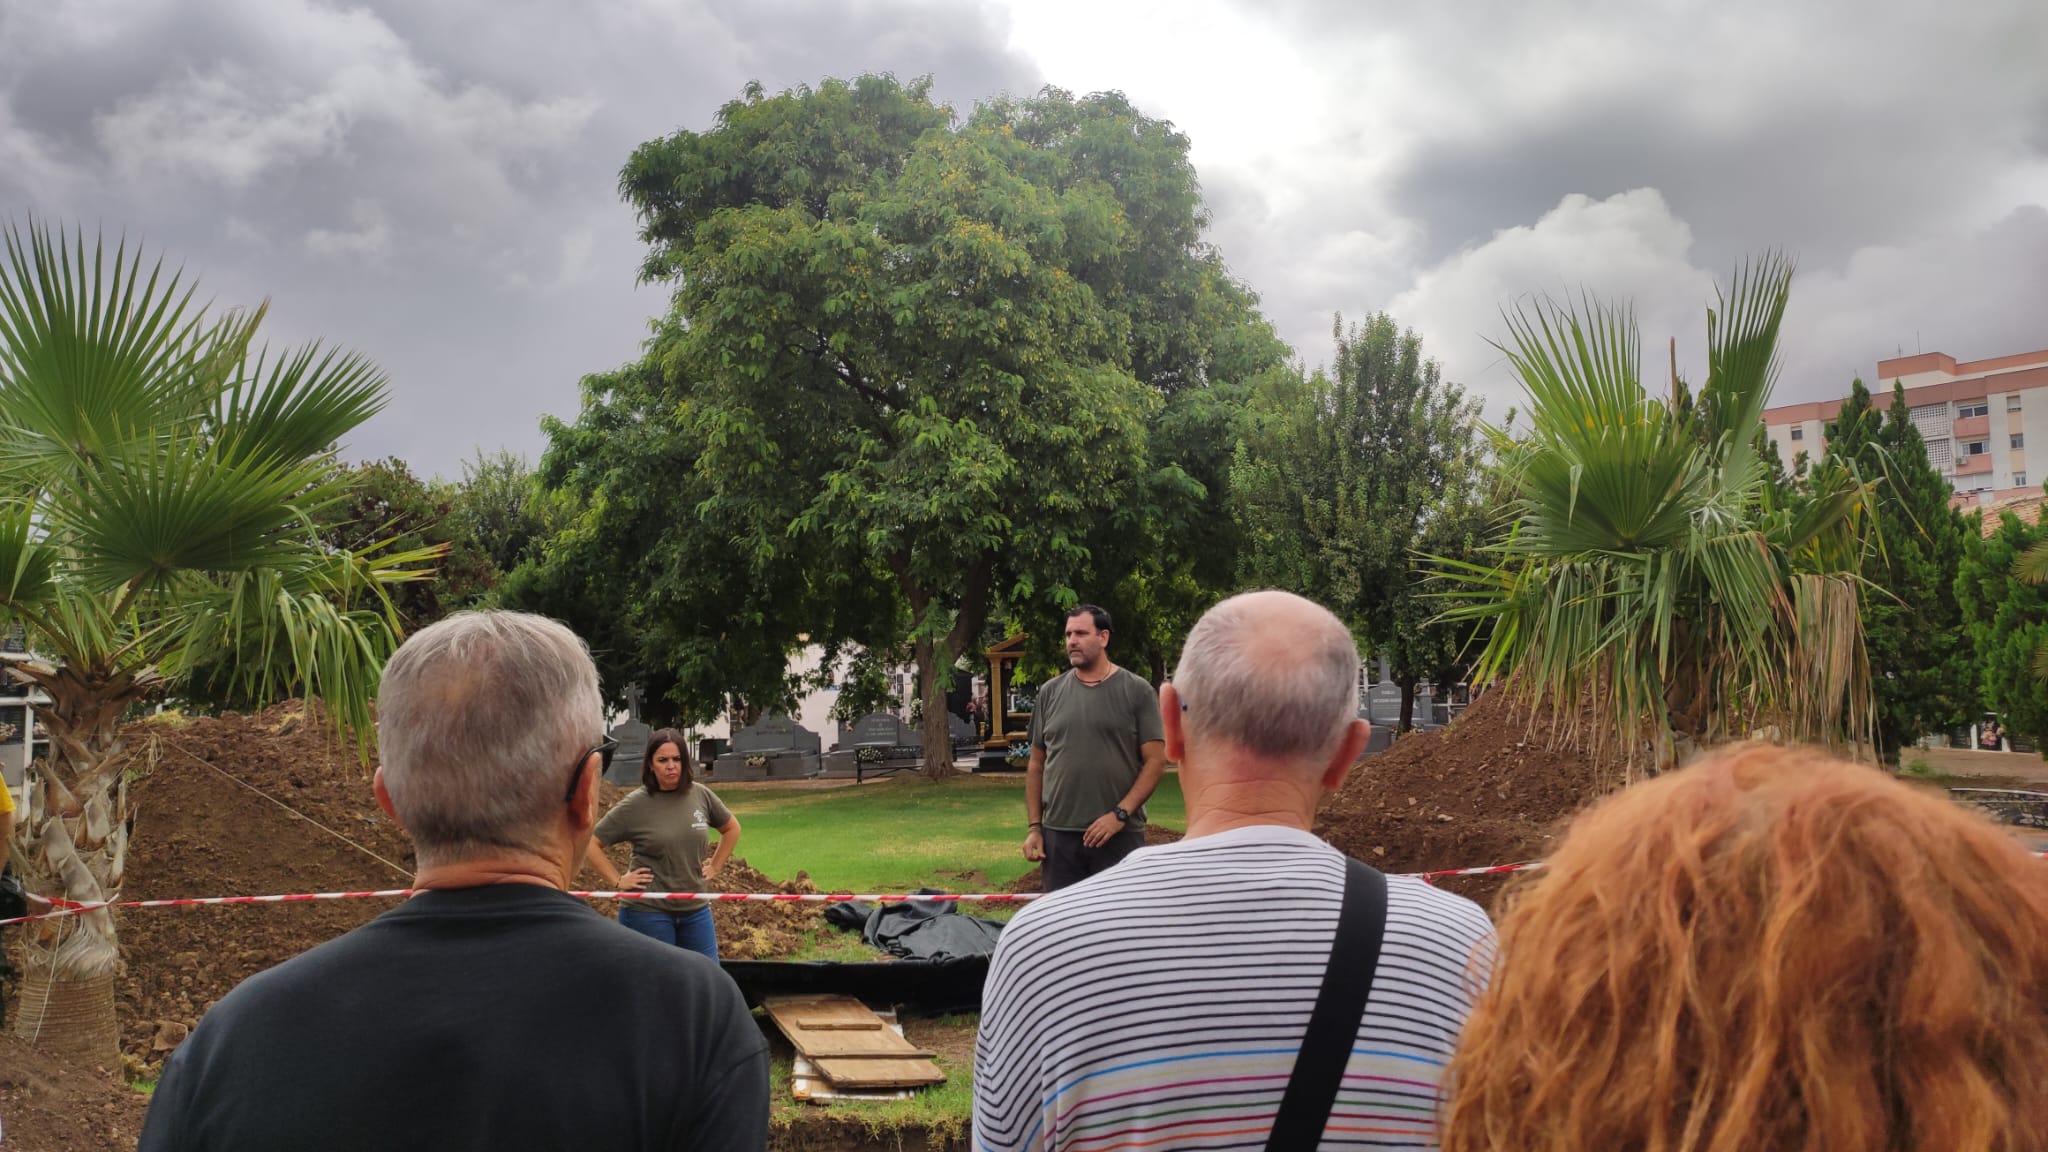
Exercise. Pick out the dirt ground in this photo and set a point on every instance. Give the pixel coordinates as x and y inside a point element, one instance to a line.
<point>253,805</point>
<point>1487,790</point>
<point>297,816</point>
<point>49,1105</point>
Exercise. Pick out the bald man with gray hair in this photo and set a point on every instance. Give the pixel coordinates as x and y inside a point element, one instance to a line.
<point>1247,986</point>
<point>492,1010</point>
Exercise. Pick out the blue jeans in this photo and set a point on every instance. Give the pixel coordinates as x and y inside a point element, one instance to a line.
<point>690,930</point>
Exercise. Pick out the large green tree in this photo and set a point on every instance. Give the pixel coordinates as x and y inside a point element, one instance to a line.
<point>2005,610</point>
<point>1652,568</point>
<point>1344,481</point>
<point>915,368</point>
<point>1923,672</point>
<point>159,483</point>
<point>664,587</point>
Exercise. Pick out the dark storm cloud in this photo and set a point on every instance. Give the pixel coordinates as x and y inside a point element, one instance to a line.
<point>1896,147</point>
<point>433,184</point>
<point>430,184</point>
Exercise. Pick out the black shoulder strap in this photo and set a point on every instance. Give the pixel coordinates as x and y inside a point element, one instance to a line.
<point>1340,1007</point>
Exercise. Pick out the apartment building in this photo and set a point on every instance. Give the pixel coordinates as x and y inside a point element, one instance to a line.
<point>1976,416</point>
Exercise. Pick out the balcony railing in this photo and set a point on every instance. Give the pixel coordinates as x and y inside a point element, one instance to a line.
<point>1973,465</point>
<point>1973,427</point>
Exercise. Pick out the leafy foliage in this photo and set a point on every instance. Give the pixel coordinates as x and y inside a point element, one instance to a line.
<point>1653,567</point>
<point>2005,609</point>
<point>159,481</point>
<point>865,687</point>
<point>501,511</point>
<point>1342,483</point>
<point>1924,675</point>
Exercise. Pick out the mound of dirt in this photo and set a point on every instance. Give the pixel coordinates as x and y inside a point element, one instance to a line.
<point>271,803</point>
<point>762,931</point>
<point>50,1105</point>
<point>241,805</point>
<point>1489,789</point>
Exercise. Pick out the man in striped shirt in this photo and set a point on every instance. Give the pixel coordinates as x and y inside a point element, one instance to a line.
<point>1161,1004</point>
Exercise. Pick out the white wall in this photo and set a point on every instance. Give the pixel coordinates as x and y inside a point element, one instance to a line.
<point>1789,449</point>
<point>813,710</point>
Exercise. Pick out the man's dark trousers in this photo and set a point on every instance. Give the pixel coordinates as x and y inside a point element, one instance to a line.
<point>1068,861</point>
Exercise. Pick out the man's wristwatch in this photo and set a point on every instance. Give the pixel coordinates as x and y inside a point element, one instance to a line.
<point>1122,815</point>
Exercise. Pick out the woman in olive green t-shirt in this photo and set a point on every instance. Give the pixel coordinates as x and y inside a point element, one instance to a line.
<point>668,821</point>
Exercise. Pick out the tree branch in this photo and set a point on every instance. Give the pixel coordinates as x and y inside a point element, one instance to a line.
<point>973,605</point>
<point>844,369</point>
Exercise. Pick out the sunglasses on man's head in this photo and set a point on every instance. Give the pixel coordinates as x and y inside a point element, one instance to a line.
<point>604,750</point>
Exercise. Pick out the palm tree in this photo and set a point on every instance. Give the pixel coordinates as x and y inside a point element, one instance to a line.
<point>1652,571</point>
<point>156,484</point>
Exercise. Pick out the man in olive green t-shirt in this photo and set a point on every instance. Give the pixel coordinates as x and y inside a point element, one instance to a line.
<point>1097,752</point>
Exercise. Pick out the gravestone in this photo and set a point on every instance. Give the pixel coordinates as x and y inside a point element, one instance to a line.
<point>1381,739</point>
<point>631,754</point>
<point>1383,703</point>
<point>877,742</point>
<point>885,729</point>
<point>962,732</point>
<point>775,747</point>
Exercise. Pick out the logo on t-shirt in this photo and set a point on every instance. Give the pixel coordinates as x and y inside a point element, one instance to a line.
<point>698,821</point>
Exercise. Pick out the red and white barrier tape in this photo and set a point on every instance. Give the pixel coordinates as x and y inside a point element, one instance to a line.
<point>75,908</point>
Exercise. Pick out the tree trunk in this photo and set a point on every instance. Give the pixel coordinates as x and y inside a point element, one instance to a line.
<point>938,735</point>
<point>936,654</point>
<point>73,842</point>
<point>1407,704</point>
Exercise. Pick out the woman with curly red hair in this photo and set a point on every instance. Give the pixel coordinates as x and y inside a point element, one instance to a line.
<point>1771,949</point>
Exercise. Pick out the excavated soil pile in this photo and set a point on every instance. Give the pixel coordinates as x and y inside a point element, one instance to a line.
<point>1489,789</point>
<point>257,805</point>
<point>203,829</point>
<point>760,931</point>
<point>50,1105</point>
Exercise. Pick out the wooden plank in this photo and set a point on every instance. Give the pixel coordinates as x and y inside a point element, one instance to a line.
<point>829,1016</point>
<point>879,1073</point>
<point>875,1045</point>
<point>789,1012</point>
<point>809,1085</point>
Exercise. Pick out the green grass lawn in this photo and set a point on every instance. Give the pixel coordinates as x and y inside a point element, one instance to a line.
<point>964,833</point>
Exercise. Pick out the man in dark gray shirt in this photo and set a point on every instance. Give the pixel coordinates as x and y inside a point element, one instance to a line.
<point>1097,752</point>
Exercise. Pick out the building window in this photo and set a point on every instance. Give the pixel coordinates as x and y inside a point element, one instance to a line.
<point>1976,447</point>
<point>2019,479</point>
<point>2019,440</point>
<point>1973,408</point>
<point>2012,402</point>
<point>1799,433</point>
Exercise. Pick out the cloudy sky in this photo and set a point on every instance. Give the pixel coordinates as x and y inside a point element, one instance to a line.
<point>433,184</point>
